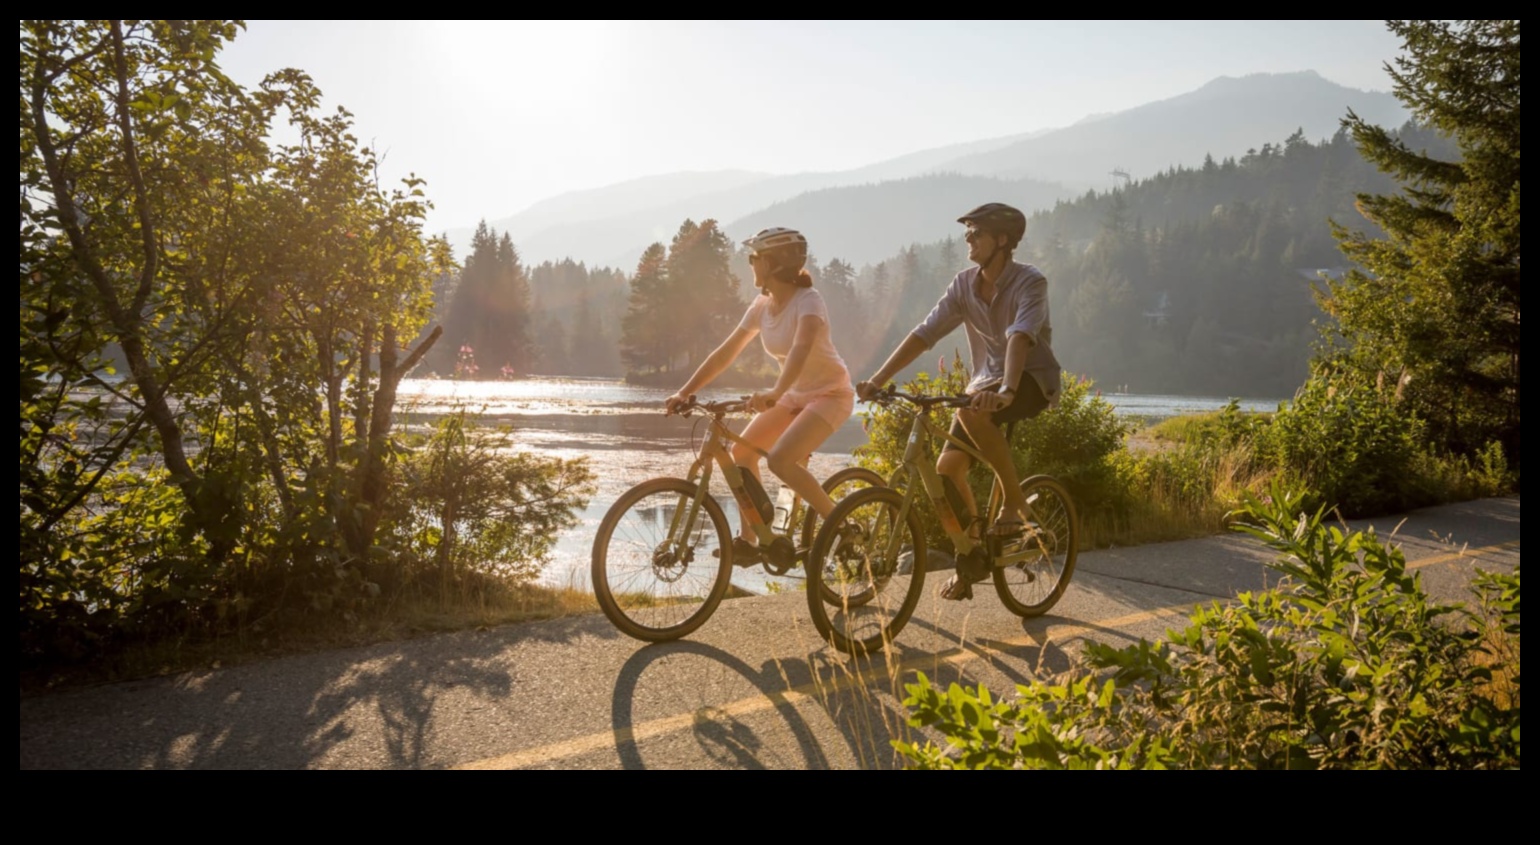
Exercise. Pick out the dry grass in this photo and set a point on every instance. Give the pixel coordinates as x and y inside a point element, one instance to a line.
<point>1500,654</point>
<point>1168,505</point>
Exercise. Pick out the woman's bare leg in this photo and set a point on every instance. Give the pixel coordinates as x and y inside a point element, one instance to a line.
<point>763,432</point>
<point>806,433</point>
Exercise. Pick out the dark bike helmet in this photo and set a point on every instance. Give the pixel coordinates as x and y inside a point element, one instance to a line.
<point>999,218</point>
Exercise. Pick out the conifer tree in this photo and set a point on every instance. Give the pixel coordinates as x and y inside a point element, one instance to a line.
<point>1434,308</point>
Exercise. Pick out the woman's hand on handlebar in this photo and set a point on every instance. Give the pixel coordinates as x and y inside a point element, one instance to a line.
<point>674,404</point>
<point>762,400</point>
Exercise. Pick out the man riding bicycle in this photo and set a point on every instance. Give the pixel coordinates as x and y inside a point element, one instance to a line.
<point>1003,307</point>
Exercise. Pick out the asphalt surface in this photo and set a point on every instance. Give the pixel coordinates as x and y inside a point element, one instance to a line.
<point>754,688</point>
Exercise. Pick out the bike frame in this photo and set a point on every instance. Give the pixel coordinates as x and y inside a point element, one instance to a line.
<point>717,449</point>
<point>920,469</point>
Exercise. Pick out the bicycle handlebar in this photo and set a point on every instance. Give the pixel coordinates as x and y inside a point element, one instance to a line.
<point>717,409</point>
<point>888,394</point>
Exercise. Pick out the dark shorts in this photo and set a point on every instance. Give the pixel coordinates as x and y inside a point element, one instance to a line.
<point>1029,402</point>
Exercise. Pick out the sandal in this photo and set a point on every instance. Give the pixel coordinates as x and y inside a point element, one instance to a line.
<point>972,568</point>
<point>957,588</point>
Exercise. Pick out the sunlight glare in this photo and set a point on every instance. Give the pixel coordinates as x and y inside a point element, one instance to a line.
<point>536,64</point>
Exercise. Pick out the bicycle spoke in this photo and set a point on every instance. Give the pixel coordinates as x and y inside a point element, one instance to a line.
<point>653,585</point>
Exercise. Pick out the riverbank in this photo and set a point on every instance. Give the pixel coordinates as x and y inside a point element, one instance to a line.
<point>618,429</point>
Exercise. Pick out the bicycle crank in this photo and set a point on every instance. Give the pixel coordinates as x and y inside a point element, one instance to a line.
<point>780,556</point>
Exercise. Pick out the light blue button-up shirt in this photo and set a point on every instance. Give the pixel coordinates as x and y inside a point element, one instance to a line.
<point>1020,306</point>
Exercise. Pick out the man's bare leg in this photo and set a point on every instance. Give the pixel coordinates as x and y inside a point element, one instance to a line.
<point>954,464</point>
<point>992,444</point>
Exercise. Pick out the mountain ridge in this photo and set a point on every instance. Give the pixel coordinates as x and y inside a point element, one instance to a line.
<point>1225,117</point>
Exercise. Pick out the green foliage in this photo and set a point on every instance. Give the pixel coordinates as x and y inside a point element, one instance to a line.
<point>490,311</point>
<point>1226,428</point>
<point>1434,305</point>
<point>470,502</point>
<point>254,295</point>
<point>1346,664</point>
<point>1075,441</point>
<point>1351,445</point>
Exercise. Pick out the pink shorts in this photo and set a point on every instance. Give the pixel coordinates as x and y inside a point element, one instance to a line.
<point>831,406</point>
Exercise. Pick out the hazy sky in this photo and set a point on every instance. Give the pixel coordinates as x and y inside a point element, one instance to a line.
<point>497,115</point>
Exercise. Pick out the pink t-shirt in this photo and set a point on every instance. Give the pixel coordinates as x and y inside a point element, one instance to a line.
<point>824,370</point>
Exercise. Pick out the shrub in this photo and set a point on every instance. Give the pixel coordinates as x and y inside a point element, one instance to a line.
<point>1352,445</point>
<point>470,502</point>
<point>1346,664</point>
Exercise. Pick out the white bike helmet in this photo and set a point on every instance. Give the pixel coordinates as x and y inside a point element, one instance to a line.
<point>774,238</point>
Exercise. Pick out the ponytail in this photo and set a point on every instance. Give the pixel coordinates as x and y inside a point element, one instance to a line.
<point>789,266</point>
<point>797,275</point>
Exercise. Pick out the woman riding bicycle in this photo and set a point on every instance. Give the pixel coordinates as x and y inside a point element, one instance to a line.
<point>813,395</point>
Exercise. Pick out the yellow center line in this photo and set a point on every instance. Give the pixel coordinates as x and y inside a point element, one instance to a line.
<point>821,688</point>
<point>1462,554</point>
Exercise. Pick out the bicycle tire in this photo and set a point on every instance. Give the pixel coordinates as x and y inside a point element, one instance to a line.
<point>1033,586</point>
<point>641,585</point>
<point>832,485</point>
<point>854,563</point>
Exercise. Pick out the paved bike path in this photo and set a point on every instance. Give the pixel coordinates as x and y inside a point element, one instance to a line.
<point>754,688</point>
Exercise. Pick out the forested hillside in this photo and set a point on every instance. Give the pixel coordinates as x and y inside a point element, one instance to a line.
<point>1195,281</point>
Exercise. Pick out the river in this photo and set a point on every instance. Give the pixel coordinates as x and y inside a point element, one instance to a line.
<point>622,431</point>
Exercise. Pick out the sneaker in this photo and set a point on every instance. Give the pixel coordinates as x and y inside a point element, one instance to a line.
<point>745,554</point>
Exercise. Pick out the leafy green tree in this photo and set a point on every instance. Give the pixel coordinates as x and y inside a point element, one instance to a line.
<point>257,295</point>
<point>127,134</point>
<point>1434,305</point>
<point>684,300</point>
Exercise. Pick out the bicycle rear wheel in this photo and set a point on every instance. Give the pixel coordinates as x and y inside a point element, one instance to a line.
<point>659,575</point>
<point>838,486</point>
<point>1032,586</point>
<point>857,597</point>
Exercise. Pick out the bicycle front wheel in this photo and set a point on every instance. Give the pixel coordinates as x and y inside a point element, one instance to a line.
<point>859,592</point>
<point>1031,586</point>
<point>658,573</point>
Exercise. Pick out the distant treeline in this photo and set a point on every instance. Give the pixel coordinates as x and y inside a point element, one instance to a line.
<point>1197,280</point>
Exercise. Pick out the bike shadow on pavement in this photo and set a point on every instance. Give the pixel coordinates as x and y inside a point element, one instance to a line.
<point>688,704</point>
<point>731,734</point>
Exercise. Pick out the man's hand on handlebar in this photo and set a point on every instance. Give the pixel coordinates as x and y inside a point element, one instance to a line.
<point>867,389</point>
<point>674,403</point>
